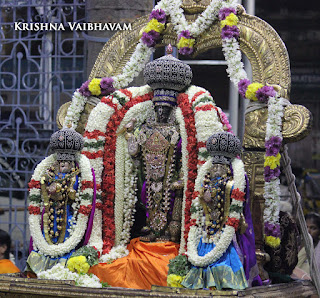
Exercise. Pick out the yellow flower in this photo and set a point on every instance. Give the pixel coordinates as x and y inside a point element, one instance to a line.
<point>78,264</point>
<point>94,87</point>
<point>230,20</point>
<point>251,91</point>
<point>272,241</point>
<point>174,280</point>
<point>186,42</point>
<point>272,161</point>
<point>154,25</point>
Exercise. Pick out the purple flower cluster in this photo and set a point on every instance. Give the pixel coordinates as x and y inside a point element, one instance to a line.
<point>273,146</point>
<point>272,229</point>
<point>84,89</point>
<point>230,32</point>
<point>224,12</point>
<point>150,39</point>
<point>243,86</point>
<point>106,85</point>
<point>159,15</point>
<point>265,92</point>
<point>185,34</point>
<point>186,51</point>
<point>270,174</point>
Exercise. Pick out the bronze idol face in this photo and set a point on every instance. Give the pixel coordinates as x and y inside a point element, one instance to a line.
<point>218,170</point>
<point>65,166</point>
<point>163,113</point>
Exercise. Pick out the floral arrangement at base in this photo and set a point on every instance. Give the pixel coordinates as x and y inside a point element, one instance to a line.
<point>82,259</point>
<point>59,272</point>
<point>178,269</point>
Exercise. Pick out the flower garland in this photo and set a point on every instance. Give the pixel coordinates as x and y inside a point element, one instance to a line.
<point>136,103</point>
<point>263,94</point>
<point>224,239</point>
<point>59,272</point>
<point>86,194</point>
<point>151,35</point>
<point>272,172</point>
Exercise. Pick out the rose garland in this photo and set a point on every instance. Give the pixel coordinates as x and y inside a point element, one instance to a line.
<point>223,239</point>
<point>35,205</point>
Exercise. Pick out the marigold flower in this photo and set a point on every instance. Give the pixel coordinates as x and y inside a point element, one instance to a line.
<point>272,241</point>
<point>78,264</point>
<point>251,91</point>
<point>174,280</point>
<point>272,161</point>
<point>185,42</point>
<point>94,87</point>
<point>154,25</point>
<point>230,20</point>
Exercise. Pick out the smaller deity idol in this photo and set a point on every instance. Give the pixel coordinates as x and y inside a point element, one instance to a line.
<point>60,202</point>
<point>212,246</point>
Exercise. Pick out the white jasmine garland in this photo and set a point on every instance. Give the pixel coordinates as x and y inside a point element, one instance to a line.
<point>59,272</point>
<point>74,111</point>
<point>116,252</point>
<point>184,158</point>
<point>202,23</point>
<point>55,250</point>
<point>226,236</point>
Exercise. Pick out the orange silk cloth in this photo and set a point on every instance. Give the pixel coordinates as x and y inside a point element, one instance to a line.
<point>144,266</point>
<point>6,266</point>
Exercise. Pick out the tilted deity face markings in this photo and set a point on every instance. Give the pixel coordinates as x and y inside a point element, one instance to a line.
<point>218,170</point>
<point>163,113</point>
<point>65,166</point>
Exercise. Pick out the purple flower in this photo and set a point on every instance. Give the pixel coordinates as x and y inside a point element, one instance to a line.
<point>242,86</point>
<point>230,31</point>
<point>185,34</point>
<point>106,85</point>
<point>148,39</point>
<point>273,146</point>
<point>84,89</point>
<point>269,174</point>
<point>159,15</point>
<point>186,51</point>
<point>264,93</point>
<point>224,12</point>
<point>272,229</point>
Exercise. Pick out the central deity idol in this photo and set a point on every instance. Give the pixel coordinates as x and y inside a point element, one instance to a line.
<point>155,147</point>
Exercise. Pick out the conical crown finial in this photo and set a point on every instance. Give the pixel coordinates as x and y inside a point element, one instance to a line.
<point>169,49</point>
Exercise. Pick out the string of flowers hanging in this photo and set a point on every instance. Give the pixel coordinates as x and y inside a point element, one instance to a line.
<point>226,13</point>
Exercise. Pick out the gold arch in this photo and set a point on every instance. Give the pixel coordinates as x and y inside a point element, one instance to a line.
<point>262,45</point>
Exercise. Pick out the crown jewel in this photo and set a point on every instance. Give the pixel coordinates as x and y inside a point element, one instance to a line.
<point>66,143</point>
<point>223,146</point>
<point>168,72</point>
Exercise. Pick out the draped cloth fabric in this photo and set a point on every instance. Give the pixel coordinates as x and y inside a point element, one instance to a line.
<point>6,266</point>
<point>226,273</point>
<point>146,265</point>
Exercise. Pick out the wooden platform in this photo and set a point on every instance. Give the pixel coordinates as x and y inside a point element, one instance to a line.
<point>24,287</point>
